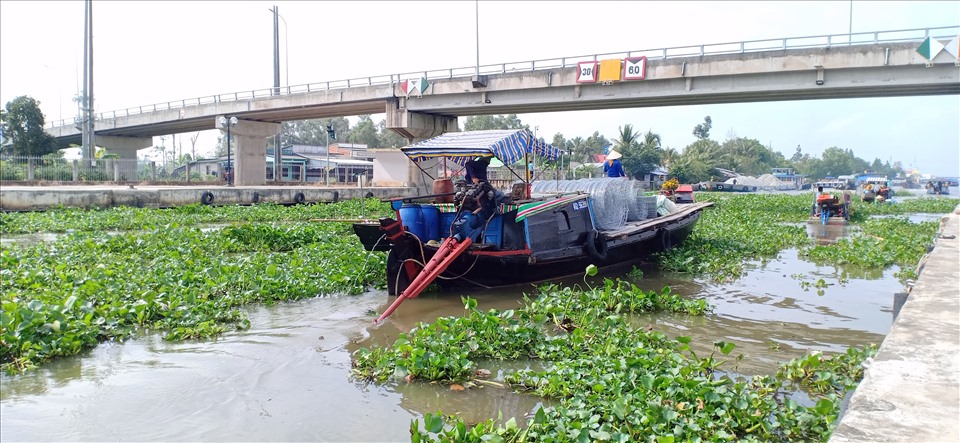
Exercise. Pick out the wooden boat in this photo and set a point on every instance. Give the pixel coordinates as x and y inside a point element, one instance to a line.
<point>525,239</point>
<point>939,187</point>
<point>830,209</point>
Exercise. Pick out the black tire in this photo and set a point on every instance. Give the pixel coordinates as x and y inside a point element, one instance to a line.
<point>719,187</point>
<point>299,198</point>
<point>596,246</point>
<point>397,280</point>
<point>206,198</point>
<point>664,240</point>
<point>336,196</point>
<point>368,194</point>
<point>256,196</point>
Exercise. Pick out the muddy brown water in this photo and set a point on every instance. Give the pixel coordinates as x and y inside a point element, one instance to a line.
<point>287,378</point>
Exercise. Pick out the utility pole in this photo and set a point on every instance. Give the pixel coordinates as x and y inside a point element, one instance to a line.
<point>87,133</point>
<point>277,150</point>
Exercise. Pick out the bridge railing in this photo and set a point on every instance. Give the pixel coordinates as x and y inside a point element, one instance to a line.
<point>815,41</point>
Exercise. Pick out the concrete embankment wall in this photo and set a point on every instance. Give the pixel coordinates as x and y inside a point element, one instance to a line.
<point>911,389</point>
<point>33,198</point>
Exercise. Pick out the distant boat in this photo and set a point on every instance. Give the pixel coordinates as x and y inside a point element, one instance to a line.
<point>712,186</point>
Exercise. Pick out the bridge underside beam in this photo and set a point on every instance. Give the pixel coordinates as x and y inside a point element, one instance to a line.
<point>415,126</point>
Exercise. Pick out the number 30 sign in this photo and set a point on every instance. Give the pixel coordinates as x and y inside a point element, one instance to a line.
<point>587,72</point>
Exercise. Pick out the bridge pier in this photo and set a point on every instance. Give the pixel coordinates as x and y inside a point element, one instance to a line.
<point>416,127</point>
<point>126,148</point>
<point>250,164</point>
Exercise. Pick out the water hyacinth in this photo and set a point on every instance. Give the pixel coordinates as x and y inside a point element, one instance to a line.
<point>64,296</point>
<point>610,381</point>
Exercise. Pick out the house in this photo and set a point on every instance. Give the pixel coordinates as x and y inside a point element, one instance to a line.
<point>346,162</point>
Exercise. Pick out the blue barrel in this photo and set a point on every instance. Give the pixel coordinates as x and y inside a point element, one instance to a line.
<point>431,222</point>
<point>412,219</point>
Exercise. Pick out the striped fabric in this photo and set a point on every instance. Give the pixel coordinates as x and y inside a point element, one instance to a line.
<point>507,145</point>
<point>529,209</point>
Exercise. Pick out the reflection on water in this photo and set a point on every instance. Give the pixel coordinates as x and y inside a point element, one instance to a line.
<point>828,234</point>
<point>288,377</point>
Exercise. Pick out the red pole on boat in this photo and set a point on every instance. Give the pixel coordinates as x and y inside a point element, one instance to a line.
<point>446,254</point>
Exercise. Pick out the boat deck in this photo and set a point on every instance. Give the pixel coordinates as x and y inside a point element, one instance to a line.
<point>641,225</point>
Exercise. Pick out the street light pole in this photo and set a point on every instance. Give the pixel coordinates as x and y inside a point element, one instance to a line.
<point>277,149</point>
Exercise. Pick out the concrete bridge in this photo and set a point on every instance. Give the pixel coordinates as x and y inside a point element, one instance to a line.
<point>883,64</point>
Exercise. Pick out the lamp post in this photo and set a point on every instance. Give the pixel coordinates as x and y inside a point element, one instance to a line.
<point>229,123</point>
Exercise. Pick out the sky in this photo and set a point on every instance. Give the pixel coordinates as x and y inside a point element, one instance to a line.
<point>153,52</point>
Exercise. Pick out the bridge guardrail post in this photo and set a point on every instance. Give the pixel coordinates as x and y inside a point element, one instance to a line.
<point>76,170</point>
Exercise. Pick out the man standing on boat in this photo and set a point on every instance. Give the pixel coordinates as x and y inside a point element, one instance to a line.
<point>613,167</point>
<point>476,170</point>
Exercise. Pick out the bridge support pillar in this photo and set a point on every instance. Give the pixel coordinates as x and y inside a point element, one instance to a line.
<point>250,149</point>
<point>416,127</point>
<point>126,148</point>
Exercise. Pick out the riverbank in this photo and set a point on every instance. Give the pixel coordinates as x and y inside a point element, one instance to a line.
<point>911,390</point>
<point>40,198</point>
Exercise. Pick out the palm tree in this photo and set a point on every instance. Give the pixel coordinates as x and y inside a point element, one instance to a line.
<point>627,139</point>
<point>651,140</point>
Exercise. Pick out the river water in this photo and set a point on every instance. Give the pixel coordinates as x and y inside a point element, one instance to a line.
<point>287,378</point>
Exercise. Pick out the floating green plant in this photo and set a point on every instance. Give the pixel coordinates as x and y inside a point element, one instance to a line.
<point>61,297</point>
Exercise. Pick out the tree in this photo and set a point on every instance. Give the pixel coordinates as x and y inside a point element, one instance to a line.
<point>485,122</point>
<point>313,132</point>
<point>364,132</point>
<point>23,125</point>
<point>388,137</point>
<point>702,131</point>
<point>595,144</point>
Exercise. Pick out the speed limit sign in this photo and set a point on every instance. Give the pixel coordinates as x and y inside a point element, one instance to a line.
<point>587,72</point>
<point>634,68</point>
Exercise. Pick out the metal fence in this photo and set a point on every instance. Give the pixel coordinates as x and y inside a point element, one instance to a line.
<point>52,169</point>
<point>784,43</point>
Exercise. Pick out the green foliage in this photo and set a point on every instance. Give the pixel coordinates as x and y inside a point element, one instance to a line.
<point>702,130</point>
<point>446,349</point>
<point>882,242</point>
<point>11,171</point>
<point>23,125</point>
<point>639,157</point>
<point>748,156</point>
<point>61,297</point>
<point>737,229</point>
<point>609,380</point>
<point>822,375</point>
<point>485,122</point>
<point>129,218</point>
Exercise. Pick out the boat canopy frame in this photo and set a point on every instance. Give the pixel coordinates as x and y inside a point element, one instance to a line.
<point>507,145</point>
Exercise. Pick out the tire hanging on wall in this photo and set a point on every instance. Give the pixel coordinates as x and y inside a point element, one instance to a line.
<point>298,198</point>
<point>719,187</point>
<point>256,197</point>
<point>206,198</point>
<point>596,246</point>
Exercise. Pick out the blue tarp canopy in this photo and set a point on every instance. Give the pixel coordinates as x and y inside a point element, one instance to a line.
<point>507,145</point>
